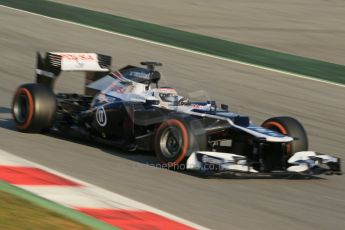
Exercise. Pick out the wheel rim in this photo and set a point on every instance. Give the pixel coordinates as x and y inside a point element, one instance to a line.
<point>21,108</point>
<point>171,142</point>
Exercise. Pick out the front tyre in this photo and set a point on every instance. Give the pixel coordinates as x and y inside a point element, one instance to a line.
<point>291,127</point>
<point>33,108</point>
<point>177,138</point>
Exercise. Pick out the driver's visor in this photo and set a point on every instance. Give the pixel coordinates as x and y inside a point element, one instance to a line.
<point>168,97</point>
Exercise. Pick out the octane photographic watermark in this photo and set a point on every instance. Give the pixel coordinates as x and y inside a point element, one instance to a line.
<point>176,167</point>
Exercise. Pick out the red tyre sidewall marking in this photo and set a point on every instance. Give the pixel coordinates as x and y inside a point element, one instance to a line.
<point>282,130</point>
<point>26,124</point>
<point>174,122</point>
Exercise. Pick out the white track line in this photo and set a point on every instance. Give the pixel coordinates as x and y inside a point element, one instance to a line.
<point>115,199</point>
<point>183,49</point>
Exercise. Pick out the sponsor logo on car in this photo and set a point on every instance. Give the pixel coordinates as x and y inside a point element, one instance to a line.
<point>101,116</point>
<point>139,74</point>
<point>77,57</point>
<point>211,160</point>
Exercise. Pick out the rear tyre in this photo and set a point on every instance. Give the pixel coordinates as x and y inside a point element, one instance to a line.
<point>176,138</point>
<point>33,108</point>
<point>291,127</point>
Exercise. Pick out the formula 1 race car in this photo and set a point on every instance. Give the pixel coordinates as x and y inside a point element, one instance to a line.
<point>126,108</point>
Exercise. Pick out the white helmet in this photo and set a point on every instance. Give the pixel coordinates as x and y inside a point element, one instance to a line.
<point>168,96</point>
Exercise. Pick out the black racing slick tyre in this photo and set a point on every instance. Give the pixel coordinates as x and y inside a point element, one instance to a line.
<point>291,127</point>
<point>33,108</point>
<point>176,138</point>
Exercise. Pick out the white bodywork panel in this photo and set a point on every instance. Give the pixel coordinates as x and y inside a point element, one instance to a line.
<point>79,62</point>
<point>225,162</point>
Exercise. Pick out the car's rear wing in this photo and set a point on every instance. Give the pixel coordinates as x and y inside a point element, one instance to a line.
<point>49,67</point>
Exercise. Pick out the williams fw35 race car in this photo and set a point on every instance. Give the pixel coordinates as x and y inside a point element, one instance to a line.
<point>126,108</point>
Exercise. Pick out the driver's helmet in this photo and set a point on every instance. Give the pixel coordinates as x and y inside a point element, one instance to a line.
<point>168,96</point>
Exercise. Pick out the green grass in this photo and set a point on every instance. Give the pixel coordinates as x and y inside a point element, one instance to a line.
<point>17,213</point>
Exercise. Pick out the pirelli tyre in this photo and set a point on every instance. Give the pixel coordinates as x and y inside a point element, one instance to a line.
<point>33,108</point>
<point>291,127</point>
<point>176,138</point>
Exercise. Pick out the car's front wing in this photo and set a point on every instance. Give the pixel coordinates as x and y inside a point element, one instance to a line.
<point>306,162</point>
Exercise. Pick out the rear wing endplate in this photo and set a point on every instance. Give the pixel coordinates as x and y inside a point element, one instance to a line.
<point>48,68</point>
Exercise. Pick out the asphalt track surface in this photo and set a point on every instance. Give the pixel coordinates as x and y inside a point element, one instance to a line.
<point>215,203</point>
<point>309,28</point>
